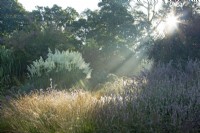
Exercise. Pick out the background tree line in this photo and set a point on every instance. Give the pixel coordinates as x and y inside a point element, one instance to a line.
<point>109,38</point>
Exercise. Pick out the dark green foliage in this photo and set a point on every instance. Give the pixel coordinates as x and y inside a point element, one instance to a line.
<point>29,46</point>
<point>9,70</point>
<point>36,43</point>
<point>12,17</point>
<point>55,17</point>
<point>112,24</point>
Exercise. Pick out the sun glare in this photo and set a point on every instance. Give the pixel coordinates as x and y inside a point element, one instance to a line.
<point>171,21</point>
<point>169,25</point>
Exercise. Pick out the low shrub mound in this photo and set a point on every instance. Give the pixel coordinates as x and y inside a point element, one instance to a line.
<point>63,68</point>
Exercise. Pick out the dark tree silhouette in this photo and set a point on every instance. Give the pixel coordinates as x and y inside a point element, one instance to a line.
<point>184,43</point>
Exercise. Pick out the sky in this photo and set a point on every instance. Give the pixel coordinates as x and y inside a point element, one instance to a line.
<point>79,5</point>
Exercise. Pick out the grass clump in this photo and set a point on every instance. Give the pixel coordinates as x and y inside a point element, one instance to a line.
<point>52,111</point>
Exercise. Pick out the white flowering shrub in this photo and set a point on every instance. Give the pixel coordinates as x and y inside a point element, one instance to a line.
<point>64,68</point>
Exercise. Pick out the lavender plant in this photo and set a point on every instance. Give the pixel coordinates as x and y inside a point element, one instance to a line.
<point>165,99</point>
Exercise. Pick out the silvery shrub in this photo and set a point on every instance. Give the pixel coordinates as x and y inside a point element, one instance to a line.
<point>62,68</point>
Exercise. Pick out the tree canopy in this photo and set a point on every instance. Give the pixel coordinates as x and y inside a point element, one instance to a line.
<point>13,17</point>
<point>113,38</point>
<point>184,42</point>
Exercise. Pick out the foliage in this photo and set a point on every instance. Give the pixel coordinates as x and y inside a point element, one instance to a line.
<point>106,33</point>
<point>36,43</point>
<point>163,100</point>
<point>114,60</point>
<point>111,25</point>
<point>60,19</point>
<point>13,17</point>
<point>5,68</point>
<point>29,46</point>
<point>9,70</point>
<point>184,43</point>
<point>64,68</point>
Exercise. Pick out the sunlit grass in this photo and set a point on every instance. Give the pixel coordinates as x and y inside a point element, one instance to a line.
<point>58,111</point>
<point>163,100</point>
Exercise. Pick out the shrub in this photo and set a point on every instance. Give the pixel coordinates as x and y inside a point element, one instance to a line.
<point>63,68</point>
<point>9,70</point>
<point>5,56</point>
